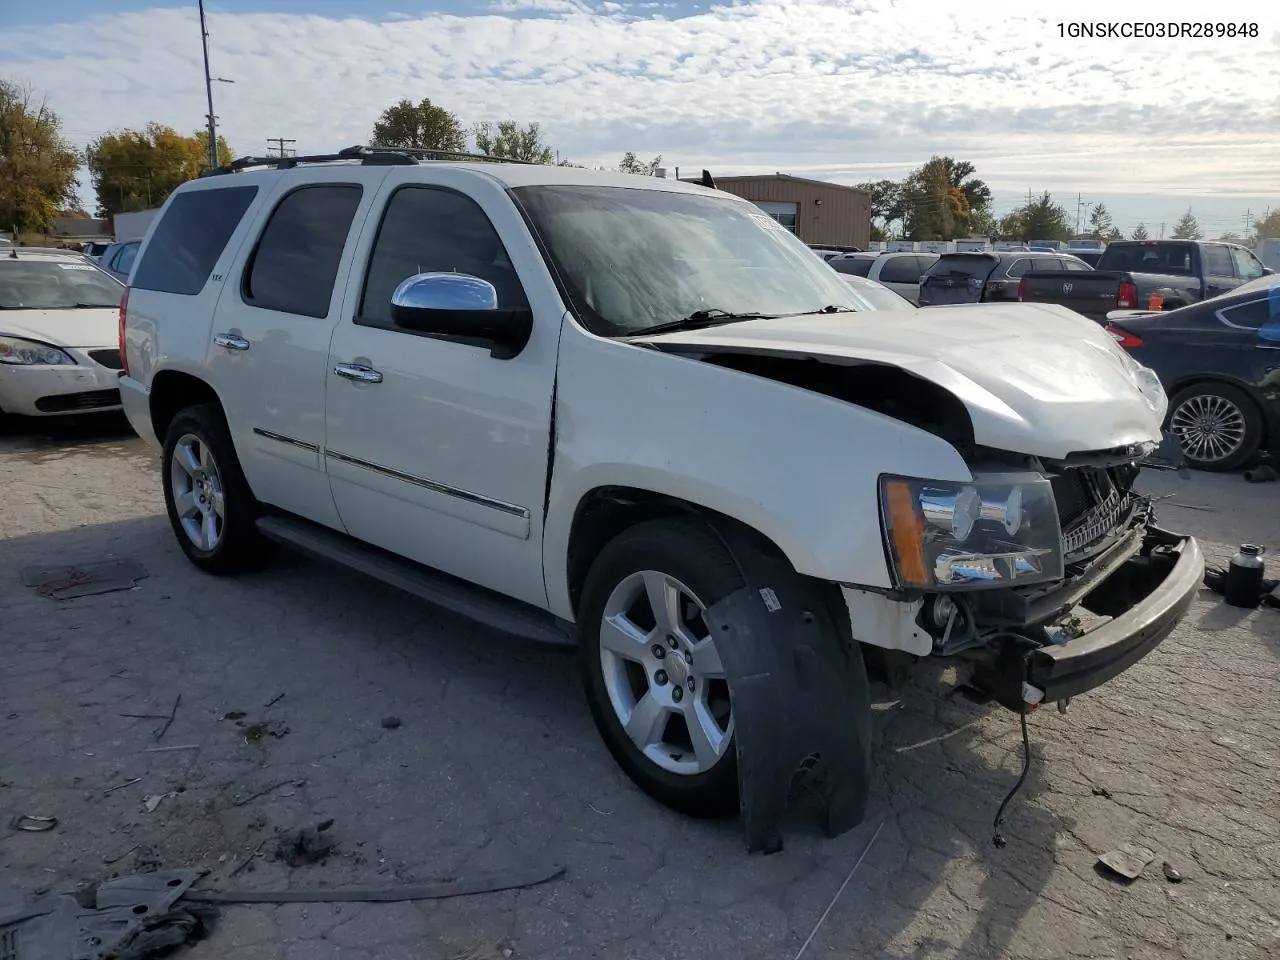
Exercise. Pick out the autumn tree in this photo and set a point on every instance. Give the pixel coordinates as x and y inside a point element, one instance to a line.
<point>1100,222</point>
<point>37,164</point>
<point>508,140</point>
<point>1140,233</point>
<point>630,164</point>
<point>138,169</point>
<point>1187,227</point>
<point>421,126</point>
<point>934,207</point>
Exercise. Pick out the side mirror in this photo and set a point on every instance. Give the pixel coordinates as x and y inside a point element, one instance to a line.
<point>1267,271</point>
<point>461,307</point>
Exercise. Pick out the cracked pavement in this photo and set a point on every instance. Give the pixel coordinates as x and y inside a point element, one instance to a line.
<point>496,765</point>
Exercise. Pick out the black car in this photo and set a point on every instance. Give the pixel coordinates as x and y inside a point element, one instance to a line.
<point>1219,361</point>
<point>985,277</point>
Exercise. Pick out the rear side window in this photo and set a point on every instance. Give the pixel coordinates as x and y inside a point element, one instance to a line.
<point>295,265</point>
<point>1073,264</point>
<point>1018,267</point>
<point>1045,265</point>
<point>1147,257</point>
<point>189,239</point>
<point>857,266</point>
<point>1252,314</point>
<point>1217,261</point>
<point>974,266</point>
<point>901,270</point>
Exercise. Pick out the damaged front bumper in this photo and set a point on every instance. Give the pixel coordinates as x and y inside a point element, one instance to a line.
<point>1131,601</point>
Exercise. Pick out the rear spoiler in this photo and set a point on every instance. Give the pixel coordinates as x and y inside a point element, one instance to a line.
<point>1123,314</point>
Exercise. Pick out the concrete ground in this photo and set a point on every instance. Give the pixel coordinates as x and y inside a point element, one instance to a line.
<point>496,766</point>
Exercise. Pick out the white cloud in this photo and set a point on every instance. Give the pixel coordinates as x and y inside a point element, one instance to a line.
<point>847,89</point>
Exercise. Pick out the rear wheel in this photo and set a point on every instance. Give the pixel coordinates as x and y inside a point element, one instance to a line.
<point>653,676</point>
<point>211,508</point>
<point>1218,426</point>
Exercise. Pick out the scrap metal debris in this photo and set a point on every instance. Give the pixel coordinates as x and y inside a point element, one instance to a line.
<point>83,579</point>
<point>121,786</point>
<point>30,824</point>
<point>164,728</point>
<point>154,800</point>
<point>306,845</point>
<point>1128,860</point>
<point>1171,872</point>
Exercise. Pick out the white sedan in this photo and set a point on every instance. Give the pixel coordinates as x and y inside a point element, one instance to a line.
<point>59,334</point>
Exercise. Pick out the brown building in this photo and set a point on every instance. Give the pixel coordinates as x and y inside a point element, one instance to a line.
<point>817,212</point>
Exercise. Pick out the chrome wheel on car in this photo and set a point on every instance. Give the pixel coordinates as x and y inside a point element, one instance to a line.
<point>1210,427</point>
<point>663,675</point>
<point>198,497</point>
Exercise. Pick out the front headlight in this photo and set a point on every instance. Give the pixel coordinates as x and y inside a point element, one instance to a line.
<point>999,530</point>
<point>29,352</point>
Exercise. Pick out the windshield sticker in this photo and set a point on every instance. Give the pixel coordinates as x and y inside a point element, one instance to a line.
<point>767,221</point>
<point>76,266</point>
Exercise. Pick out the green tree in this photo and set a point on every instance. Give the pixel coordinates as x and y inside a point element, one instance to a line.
<point>1038,219</point>
<point>1140,233</point>
<point>1266,228</point>
<point>1187,227</point>
<point>138,169</point>
<point>982,223</point>
<point>510,141</point>
<point>630,164</point>
<point>1100,222</point>
<point>37,164</point>
<point>885,198</point>
<point>421,126</point>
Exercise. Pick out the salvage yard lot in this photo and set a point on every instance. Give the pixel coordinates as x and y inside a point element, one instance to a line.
<point>495,766</point>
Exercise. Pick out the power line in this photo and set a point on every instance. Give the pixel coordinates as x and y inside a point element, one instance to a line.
<point>280,149</point>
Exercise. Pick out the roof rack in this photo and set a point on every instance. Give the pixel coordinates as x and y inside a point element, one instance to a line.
<point>374,156</point>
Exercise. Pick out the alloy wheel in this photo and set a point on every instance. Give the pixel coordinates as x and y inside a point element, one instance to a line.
<point>1211,428</point>
<point>197,491</point>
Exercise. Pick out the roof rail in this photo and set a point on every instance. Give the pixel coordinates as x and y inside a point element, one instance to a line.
<point>368,156</point>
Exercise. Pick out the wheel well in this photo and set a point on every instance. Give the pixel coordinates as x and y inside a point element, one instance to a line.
<point>172,392</point>
<point>605,512</point>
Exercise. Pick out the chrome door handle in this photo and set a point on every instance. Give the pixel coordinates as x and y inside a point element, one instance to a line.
<point>358,372</point>
<point>231,341</point>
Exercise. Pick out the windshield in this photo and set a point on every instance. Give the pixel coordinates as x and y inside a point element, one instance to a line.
<point>876,296</point>
<point>55,285</point>
<point>631,259</point>
<point>962,266</point>
<point>1148,257</point>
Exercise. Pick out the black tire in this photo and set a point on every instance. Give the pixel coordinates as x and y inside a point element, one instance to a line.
<point>1252,417</point>
<point>240,547</point>
<point>689,551</point>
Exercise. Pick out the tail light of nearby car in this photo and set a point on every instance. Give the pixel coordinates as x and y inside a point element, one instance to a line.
<point>1127,295</point>
<point>1022,289</point>
<point>1124,337</point>
<point>124,312</point>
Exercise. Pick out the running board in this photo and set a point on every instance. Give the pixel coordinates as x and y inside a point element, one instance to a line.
<point>458,596</point>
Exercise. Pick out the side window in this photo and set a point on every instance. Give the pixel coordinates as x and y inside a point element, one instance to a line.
<point>124,259</point>
<point>900,270</point>
<point>1248,267</point>
<point>1076,265</point>
<point>432,229</point>
<point>295,265</point>
<point>1045,265</point>
<point>1217,260</point>
<point>190,237</point>
<point>1018,267</point>
<point>1252,314</point>
<point>924,265</point>
<point>858,266</point>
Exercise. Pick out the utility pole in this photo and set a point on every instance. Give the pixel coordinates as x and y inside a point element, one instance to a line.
<point>208,90</point>
<point>1161,231</point>
<point>1079,207</point>
<point>281,150</point>
<point>1248,221</point>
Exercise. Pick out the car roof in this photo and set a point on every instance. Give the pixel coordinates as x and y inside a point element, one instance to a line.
<point>40,253</point>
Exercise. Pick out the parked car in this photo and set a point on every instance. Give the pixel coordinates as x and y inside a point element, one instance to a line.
<point>59,351</point>
<point>1091,257</point>
<point>871,295</point>
<point>617,410</point>
<point>1219,360</point>
<point>986,277</point>
<point>94,249</point>
<point>1133,272</point>
<point>118,258</point>
<point>900,272</point>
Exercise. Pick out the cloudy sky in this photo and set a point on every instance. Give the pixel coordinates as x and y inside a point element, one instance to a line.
<point>845,90</point>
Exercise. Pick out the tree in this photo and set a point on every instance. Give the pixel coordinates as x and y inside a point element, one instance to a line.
<point>1187,227</point>
<point>423,126</point>
<point>885,197</point>
<point>37,164</point>
<point>1038,219</point>
<point>960,175</point>
<point>1113,235</point>
<point>1231,237</point>
<point>1100,222</point>
<point>138,169</point>
<point>630,164</point>
<point>1140,233</point>
<point>935,209</point>
<point>510,141</point>
<point>1266,228</point>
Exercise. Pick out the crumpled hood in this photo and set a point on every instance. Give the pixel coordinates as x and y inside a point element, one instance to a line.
<point>1037,379</point>
<point>92,328</point>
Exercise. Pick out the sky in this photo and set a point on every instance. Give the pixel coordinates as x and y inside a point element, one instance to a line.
<point>841,90</point>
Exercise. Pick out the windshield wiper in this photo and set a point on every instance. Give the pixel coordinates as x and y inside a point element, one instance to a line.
<point>829,308</point>
<point>699,319</point>
<point>94,306</point>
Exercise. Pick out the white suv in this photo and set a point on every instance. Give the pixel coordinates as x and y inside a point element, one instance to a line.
<point>636,414</point>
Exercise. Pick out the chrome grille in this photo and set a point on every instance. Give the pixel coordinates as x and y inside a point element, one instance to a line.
<point>1090,506</point>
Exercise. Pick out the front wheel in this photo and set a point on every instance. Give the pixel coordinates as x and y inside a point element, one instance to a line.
<point>211,508</point>
<point>654,680</point>
<point>1218,426</point>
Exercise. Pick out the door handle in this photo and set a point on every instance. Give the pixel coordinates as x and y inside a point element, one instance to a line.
<point>231,341</point>
<point>358,372</point>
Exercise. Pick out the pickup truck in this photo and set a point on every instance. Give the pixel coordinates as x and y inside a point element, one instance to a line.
<point>1146,274</point>
<point>639,416</point>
